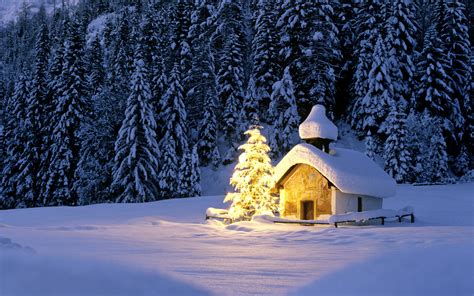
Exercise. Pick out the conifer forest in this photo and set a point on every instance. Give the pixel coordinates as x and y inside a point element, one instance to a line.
<point>125,100</point>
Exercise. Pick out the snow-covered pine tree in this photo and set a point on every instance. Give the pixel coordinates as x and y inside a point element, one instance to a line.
<point>136,150</point>
<point>230,83</point>
<point>461,163</point>
<point>195,189</point>
<point>72,109</point>
<point>367,25</point>
<point>15,144</point>
<point>403,28</point>
<point>370,146</point>
<point>309,45</point>
<point>266,69</point>
<point>396,154</point>
<point>437,170</point>
<point>174,144</point>
<point>208,131</point>
<point>121,60</point>
<point>434,91</point>
<point>230,75</point>
<point>180,44</point>
<point>458,49</point>
<point>95,66</point>
<point>55,86</point>
<point>286,120</point>
<point>93,175</point>
<point>252,179</point>
<point>35,119</point>
<point>190,175</point>
<point>202,79</point>
<point>249,112</point>
<point>374,105</point>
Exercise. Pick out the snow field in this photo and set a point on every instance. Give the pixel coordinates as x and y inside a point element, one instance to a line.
<point>162,247</point>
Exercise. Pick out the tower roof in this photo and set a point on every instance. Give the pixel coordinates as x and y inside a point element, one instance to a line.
<point>317,125</point>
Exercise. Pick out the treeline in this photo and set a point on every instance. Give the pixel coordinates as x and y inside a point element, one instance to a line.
<point>122,101</point>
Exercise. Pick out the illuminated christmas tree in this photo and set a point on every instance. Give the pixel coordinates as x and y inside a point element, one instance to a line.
<point>252,179</point>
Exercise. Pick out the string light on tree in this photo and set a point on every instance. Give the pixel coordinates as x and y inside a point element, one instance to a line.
<point>252,179</point>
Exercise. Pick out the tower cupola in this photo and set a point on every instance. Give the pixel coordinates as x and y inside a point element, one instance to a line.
<point>317,129</point>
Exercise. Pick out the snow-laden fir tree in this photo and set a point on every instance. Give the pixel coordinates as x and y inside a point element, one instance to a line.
<point>437,169</point>
<point>402,27</point>
<point>309,46</point>
<point>462,162</point>
<point>252,179</point>
<point>55,86</point>
<point>202,78</point>
<point>93,175</point>
<point>396,154</point>
<point>249,112</point>
<point>95,66</point>
<point>136,150</point>
<point>286,120</point>
<point>15,144</point>
<point>455,35</point>
<point>35,119</point>
<point>174,144</point>
<point>367,25</point>
<point>190,175</point>
<point>180,43</point>
<point>433,85</point>
<point>230,74</point>
<point>72,110</point>
<point>379,93</point>
<point>265,70</point>
<point>370,146</point>
<point>207,142</point>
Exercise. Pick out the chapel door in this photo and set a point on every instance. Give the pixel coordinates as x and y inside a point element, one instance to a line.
<point>307,210</point>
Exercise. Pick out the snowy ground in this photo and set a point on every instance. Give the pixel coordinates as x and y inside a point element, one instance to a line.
<point>165,248</point>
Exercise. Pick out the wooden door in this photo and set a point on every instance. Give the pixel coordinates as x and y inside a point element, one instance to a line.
<point>307,210</point>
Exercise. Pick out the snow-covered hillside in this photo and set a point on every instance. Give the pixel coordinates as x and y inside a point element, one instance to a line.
<point>9,8</point>
<point>166,247</point>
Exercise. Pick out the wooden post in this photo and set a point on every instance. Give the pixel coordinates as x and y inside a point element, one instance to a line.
<point>335,224</point>
<point>412,218</point>
<point>383,220</point>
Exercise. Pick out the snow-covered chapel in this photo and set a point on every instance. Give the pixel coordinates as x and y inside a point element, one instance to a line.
<point>315,180</point>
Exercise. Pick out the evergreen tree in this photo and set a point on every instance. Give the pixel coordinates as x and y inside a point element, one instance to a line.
<point>174,144</point>
<point>189,174</point>
<point>230,75</point>
<point>396,154</point>
<point>287,121</point>
<point>35,119</point>
<point>402,25</point>
<point>367,26</point>
<point>437,168</point>
<point>230,82</point>
<point>265,55</point>
<point>370,146</point>
<point>434,91</point>
<point>136,149</point>
<point>15,142</point>
<point>310,47</point>
<point>458,48</point>
<point>93,176</point>
<point>72,110</point>
<point>208,132</point>
<point>373,106</point>
<point>252,179</point>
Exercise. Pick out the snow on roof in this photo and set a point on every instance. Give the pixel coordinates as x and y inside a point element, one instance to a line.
<point>317,125</point>
<point>350,171</point>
